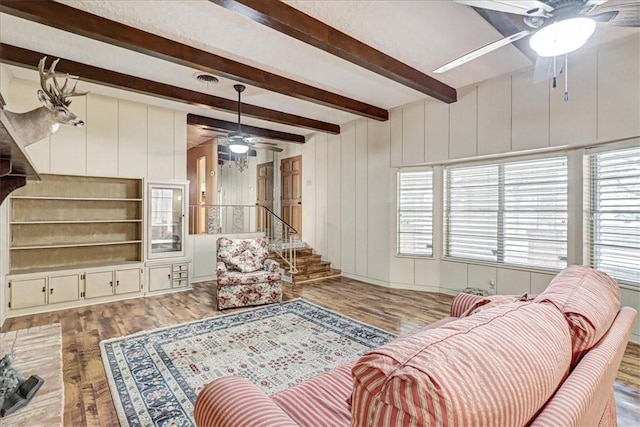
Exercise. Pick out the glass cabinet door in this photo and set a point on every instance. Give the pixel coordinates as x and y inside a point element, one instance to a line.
<point>166,220</point>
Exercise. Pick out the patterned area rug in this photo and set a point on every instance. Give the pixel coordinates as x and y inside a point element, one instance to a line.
<point>38,351</point>
<point>156,376</point>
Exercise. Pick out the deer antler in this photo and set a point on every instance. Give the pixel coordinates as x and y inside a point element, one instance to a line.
<point>58,95</point>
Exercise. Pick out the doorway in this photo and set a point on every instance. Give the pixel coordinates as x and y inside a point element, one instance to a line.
<point>291,192</point>
<point>264,195</point>
<point>201,179</point>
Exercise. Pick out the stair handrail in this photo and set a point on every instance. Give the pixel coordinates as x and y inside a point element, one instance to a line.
<point>282,245</point>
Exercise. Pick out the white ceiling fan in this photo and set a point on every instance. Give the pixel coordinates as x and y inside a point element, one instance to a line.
<point>240,142</point>
<point>556,27</point>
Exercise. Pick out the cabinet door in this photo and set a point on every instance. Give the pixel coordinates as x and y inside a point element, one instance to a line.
<point>159,278</point>
<point>64,288</point>
<point>127,281</point>
<point>28,293</point>
<point>166,209</point>
<point>98,284</point>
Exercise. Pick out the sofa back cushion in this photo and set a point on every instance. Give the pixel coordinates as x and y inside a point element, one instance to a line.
<point>230,250</point>
<point>497,367</point>
<point>589,299</point>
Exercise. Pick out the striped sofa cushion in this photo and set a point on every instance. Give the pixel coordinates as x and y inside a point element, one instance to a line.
<point>589,299</point>
<point>495,368</point>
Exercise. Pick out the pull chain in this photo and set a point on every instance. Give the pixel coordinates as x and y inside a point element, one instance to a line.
<point>566,77</point>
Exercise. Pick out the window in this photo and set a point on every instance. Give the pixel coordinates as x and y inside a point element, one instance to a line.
<point>509,213</point>
<point>415,213</point>
<point>613,213</point>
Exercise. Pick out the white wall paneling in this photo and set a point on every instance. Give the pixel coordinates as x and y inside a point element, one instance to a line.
<point>334,195</point>
<point>619,90</point>
<point>69,144</point>
<point>481,276</point>
<point>347,198</point>
<point>361,195</point>
<point>463,124</point>
<point>436,131</point>
<point>513,282</point>
<point>395,123</point>
<point>413,134</point>
<point>540,281</point>
<point>494,116</point>
<point>378,200</point>
<point>530,113</point>
<point>160,143</point>
<point>102,135</point>
<point>574,122</point>
<point>427,272</point>
<point>309,190</point>
<point>180,145</point>
<point>132,140</point>
<point>402,272</point>
<point>322,166</point>
<point>453,275</point>
<point>631,298</point>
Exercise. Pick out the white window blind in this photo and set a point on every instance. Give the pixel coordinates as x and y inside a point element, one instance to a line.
<point>613,205</point>
<point>510,213</point>
<point>415,213</point>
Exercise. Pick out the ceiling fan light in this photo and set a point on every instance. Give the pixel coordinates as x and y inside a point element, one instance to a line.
<point>238,148</point>
<point>562,36</point>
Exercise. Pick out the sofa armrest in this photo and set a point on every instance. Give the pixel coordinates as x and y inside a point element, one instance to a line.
<point>462,302</point>
<point>221,267</point>
<point>236,401</point>
<point>271,265</point>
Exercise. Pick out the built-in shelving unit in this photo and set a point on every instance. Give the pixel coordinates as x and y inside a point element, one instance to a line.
<point>65,222</point>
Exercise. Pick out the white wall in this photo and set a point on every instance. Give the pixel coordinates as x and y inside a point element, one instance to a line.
<point>353,185</point>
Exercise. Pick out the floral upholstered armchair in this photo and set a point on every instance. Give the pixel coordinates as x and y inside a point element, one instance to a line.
<point>245,275</point>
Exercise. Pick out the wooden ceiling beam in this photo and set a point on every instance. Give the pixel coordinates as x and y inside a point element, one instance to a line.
<point>29,59</point>
<point>288,20</point>
<point>222,125</point>
<point>76,21</point>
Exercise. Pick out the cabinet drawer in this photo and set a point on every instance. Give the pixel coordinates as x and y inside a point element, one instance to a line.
<point>180,283</point>
<point>180,274</point>
<point>180,267</point>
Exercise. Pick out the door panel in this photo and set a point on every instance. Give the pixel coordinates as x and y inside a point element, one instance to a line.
<point>28,293</point>
<point>64,288</point>
<point>99,284</point>
<point>127,281</point>
<point>291,203</point>
<point>159,278</point>
<point>265,194</point>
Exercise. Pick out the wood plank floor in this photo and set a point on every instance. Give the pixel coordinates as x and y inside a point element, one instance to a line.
<point>88,399</point>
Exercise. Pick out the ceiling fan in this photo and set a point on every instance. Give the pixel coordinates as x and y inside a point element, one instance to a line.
<point>556,27</point>
<point>240,142</point>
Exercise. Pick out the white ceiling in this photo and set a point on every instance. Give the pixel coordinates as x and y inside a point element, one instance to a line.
<point>423,34</point>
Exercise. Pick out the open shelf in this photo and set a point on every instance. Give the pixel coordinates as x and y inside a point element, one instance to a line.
<point>74,245</point>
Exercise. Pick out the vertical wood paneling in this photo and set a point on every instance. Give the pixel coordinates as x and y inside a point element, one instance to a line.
<point>69,144</point>
<point>463,124</point>
<point>347,198</point>
<point>413,134</point>
<point>378,201</point>
<point>619,89</point>
<point>309,191</point>
<point>530,113</point>
<point>334,192</point>
<point>574,122</point>
<point>427,272</point>
<point>453,275</point>
<point>480,276</point>
<point>401,271</point>
<point>513,282</point>
<point>540,281</point>
<point>132,140</point>
<point>160,143</point>
<point>102,135</point>
<point>494,116</point>
<point>436,131</point>
<point>321,195</point>
<point>180,145</point>
<point>361,195</point>
<point>395,119</point>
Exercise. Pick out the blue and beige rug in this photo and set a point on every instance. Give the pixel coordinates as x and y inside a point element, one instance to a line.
<point>155,376</point>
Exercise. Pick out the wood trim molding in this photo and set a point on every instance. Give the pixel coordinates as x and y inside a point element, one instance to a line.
<point>288,20</point>
<point>76,21</point>
<point>29,59</point>
<point>194,119</point>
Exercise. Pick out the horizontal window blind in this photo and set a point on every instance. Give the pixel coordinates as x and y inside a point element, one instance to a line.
<point>415,213</point>
<point>613,205</point>
<point>511,213</point>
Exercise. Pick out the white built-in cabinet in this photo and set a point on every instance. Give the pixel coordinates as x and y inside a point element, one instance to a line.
<point>168,276</point>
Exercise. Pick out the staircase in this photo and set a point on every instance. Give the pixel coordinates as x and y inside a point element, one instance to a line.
<point>310,266</point>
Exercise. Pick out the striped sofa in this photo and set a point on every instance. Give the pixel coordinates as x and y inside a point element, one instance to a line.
<point>547,360</point>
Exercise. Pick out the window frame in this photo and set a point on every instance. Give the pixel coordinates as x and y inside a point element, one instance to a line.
<point>430,231</point>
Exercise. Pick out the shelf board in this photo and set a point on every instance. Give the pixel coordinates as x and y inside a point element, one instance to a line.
<point>73,245</point>
<point>75,267</point>
<point>71,221</point>
<point>81,199</point>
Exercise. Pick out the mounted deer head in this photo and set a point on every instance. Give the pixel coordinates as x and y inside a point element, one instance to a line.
<point>37,124</point>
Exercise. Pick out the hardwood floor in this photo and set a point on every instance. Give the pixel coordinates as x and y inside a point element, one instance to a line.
<point>88,399</point>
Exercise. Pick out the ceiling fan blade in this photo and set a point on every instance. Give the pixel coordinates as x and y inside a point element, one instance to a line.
<point>605,16</point>
<point>518,7</point>
<point>483,50</point>
<point>269,147</point>
<point>543,69</point>
<point>627,13</point>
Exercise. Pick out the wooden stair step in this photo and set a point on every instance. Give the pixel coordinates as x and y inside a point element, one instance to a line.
<point>314,268</point>
<point>297,278</point>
